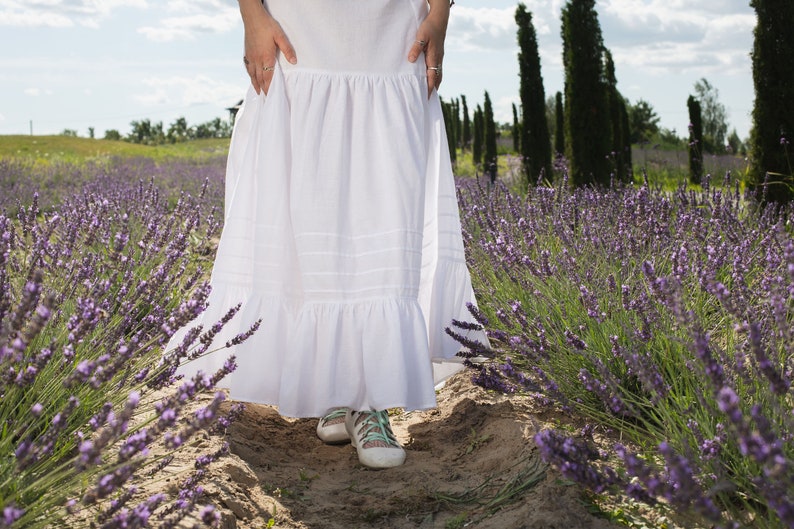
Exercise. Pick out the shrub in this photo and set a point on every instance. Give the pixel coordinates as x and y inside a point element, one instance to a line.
<point>665,317</point>
<point>90,292</point>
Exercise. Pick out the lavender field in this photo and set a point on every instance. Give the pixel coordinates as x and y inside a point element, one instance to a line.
<point>662,320</point>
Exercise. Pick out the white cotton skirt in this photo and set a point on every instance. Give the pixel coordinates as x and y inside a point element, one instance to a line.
<point>341,230</point>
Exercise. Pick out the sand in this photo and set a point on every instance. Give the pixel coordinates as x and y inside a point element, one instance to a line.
<point>471,463</point>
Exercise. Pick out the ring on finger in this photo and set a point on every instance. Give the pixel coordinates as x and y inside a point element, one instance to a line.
<point>246,61</point>
<point>268,68</point>
<point>435,69</point>
<point>422,43</point>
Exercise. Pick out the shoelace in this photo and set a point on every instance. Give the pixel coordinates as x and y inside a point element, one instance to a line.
<point>375,427</point>
<point>334,415</point>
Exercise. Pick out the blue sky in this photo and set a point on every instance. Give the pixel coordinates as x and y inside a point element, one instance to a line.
<point>103,63</point>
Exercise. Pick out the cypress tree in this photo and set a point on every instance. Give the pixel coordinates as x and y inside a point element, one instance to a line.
<point>454,111</point>
<point>446,110</point>
<point>626,137</point>
<point>772,138</point>
<point>559,130</point>
<point>489,155</point>
<point>516,131</point>
<point>479,137</point>
<point>535,141</point>
<point>587,127</point>
<point>695,141</point>
<point>618,119</point>
<point>466,138</point>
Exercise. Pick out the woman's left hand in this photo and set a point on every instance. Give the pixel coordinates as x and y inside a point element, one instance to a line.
<point>430,39</point>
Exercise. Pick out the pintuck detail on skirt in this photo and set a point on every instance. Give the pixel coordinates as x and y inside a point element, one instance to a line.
<point>341,224</point>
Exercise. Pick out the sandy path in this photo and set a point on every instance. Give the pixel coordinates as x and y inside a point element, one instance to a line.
<point>280,471</point>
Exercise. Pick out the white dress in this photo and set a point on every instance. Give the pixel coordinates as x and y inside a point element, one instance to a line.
<point>341,221</point>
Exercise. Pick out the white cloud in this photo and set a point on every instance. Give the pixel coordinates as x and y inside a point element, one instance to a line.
<point>474,29</point>
<point>196,17</point>
<point>656,36</point>
<point>60,13</point>
<point>187,91</point>
<point>674,36</point>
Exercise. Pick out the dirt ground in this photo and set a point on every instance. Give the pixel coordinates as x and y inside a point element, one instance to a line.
<point>471,463</point>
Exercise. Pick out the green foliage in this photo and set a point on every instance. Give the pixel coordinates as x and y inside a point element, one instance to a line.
<point>515,130</point>
<point>695,140</point>
<point>489,125</point>
<point>714,115</point>
<point>535,142</point>
<point>47,149</point>
<point>112,135</point>
<point>479,136</point>
<point>466,138</point>
<point>619,123</point>
<point>773,112</point>
<point>587,126</point>
<point>147,133</point>
<point>643,121</point>
<point>447,109</point>
<point>559,129</point>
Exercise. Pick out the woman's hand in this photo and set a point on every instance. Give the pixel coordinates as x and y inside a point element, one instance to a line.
<point>264,38</point>
<point>430,39</point>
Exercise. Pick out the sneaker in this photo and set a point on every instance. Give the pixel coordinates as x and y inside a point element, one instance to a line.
<point>370,432</point>
<point>331,428</point>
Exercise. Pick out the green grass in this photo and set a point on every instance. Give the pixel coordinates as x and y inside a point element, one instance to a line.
<point>71,149</point>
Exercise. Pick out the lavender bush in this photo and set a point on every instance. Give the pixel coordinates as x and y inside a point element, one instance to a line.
<point>52,181</point>
<point>665,317</point>
<point>90,292</point>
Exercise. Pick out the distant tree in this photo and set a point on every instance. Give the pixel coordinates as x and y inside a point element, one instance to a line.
<point>619,122</point>
<point>479,136</point>
<point>91,132</point>
<point>587,125</point>
<point>644,123</point>
<point>695,141</point>
<point>535,142</point>
<point>141,131</point>
<point>456,121</point>
<point>772,137</point>
<point>466,133</point>
<point>515,130</point>
<point>551,118</point>
<point>112,135</point>
<point>715,116</point>
<point>69,132</point>
<point>559,129</point>
<point>489,148</point>
<point>217,128</point>
<point>735,144</point>
<point>671,139</point>
<point>178,131</point>
<point>449,127</point>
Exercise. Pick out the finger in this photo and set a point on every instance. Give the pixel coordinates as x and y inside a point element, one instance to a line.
<point>264,73</point>
<point>252,74</point>
<point>268,80</point>
<point>416,48</point>
<point>285,47</point>
<point>432,82</point>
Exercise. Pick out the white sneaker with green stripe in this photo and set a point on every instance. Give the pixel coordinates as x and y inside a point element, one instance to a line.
<point>331,427</point>
<point>370,432</point>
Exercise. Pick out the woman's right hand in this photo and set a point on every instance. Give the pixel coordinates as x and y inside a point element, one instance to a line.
<point>264,38</point>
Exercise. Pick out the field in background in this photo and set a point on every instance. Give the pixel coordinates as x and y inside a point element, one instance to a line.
<point>72,149</point>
